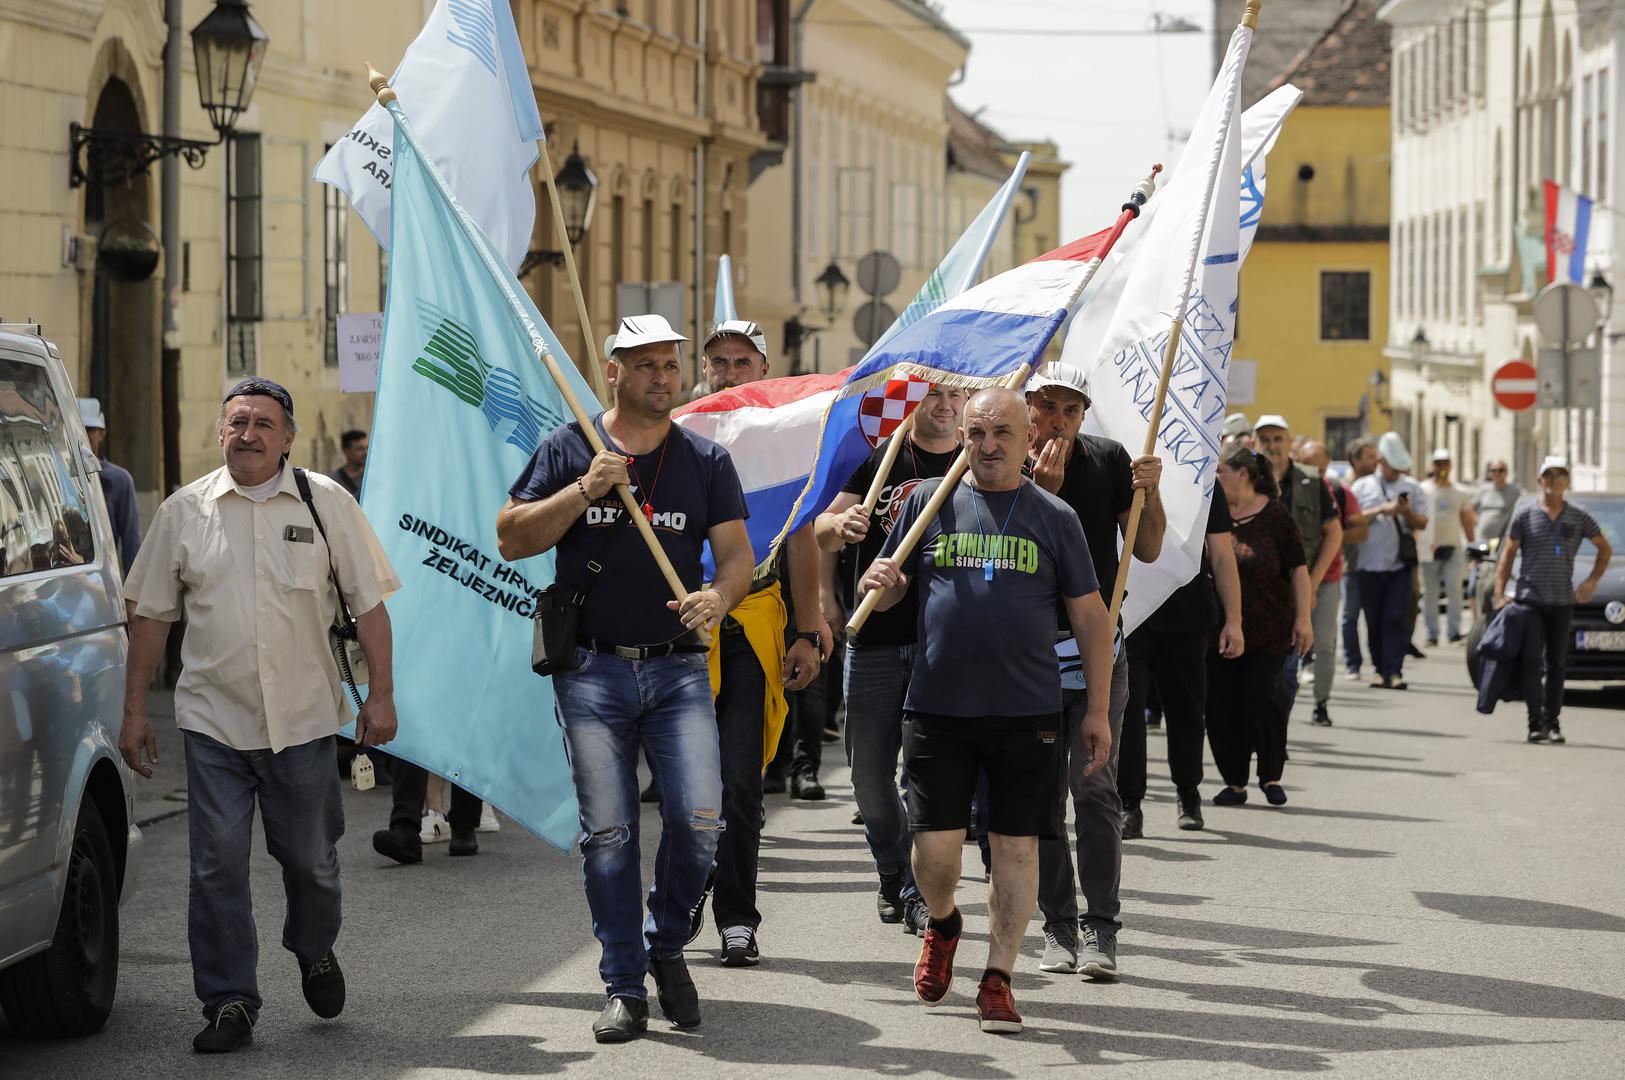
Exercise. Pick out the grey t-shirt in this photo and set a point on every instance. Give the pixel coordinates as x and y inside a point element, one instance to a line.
<point>1380,550</point>
<point>987,639</point>
<point>1495,508</point>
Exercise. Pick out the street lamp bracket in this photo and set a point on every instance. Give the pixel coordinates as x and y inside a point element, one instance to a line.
<point>113,157</point>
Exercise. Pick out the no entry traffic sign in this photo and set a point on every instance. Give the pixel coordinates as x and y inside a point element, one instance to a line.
<point>1514,385</point>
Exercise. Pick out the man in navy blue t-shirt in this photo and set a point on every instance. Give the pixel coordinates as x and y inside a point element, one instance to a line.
<point>985,694</point>
<point>641,673</point>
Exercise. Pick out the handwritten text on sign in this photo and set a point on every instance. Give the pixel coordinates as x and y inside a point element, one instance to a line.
<point>361,337</point>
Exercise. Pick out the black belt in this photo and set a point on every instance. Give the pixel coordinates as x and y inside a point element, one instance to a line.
<point>687,643</point>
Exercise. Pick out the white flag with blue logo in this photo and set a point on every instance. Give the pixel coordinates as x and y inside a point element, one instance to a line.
<point>466,87</point>
<point>463,401</point>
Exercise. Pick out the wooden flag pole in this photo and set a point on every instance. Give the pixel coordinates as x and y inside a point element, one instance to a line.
<point>386,95</point>
<point>1249,19</point>
<point>595,369</point>
<point>888,459</point>
<point>933,507</point>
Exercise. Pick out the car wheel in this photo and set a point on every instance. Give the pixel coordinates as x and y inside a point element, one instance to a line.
<point>68,989</point>
<point>1474,636</point>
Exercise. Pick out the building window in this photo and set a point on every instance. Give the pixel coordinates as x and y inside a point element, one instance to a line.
<point>1481,51</point>
<point>335,267</point>
<point>1340,431</point>
<point>1601,191</point>
<point>245,294</point>
<point>854,212</point>
<point>617,241</point>
<point>905,224</point>
<point>383,277</point>
<point>676,241</point>
<point>1345,305</point>
<point>1462,270</point>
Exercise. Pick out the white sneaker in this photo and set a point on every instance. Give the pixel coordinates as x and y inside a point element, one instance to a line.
<point>488,820</point>
<point>436,829</point>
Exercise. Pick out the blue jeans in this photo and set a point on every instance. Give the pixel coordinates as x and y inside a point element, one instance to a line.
<point>608,707</point>
<point>1385,595</point>
<point>876,681</point>
<point>299,796</point>
<point>1352,657</point>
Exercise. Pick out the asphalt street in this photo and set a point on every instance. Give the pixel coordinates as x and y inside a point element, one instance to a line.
<point>1438,900</point>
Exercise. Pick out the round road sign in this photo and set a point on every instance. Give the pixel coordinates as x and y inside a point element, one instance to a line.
<point>1565,313</point>
<point>1514,385</point>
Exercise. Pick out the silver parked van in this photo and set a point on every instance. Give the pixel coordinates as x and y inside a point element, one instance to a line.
<point>68,838</point>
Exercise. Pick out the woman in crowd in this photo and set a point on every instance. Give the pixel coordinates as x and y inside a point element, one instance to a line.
<point>1244,709</point>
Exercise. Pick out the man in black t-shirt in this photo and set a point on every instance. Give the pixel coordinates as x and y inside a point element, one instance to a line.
<point>1096,478</point>
<point>985,698</point>
<point>1169,650</point>
<point>880,657</point>
<point>641,676</point>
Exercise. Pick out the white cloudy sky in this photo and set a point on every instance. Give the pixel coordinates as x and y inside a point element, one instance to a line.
<point>1092,77</point>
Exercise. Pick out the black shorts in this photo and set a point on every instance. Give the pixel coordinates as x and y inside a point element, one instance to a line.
<point>946,755</point>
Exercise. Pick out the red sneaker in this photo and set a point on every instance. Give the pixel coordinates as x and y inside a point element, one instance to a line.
<point>997,1006</point>
<point>934,970</point>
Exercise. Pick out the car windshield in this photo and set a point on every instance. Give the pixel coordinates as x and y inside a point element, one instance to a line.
<point>1610,514</point>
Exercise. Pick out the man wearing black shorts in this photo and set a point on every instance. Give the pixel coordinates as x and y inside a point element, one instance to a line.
<point>985,695</point>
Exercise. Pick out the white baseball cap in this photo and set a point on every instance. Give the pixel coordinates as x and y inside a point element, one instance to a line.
<point>1235,424</point>
<point>638,330</point>
<point>1272,420</point>
<point>1553,461</point>
<point>1392,449</point>
<point>744,328</point>
<point>1063,375</point>
<point>1442,454</point>
<point>90,411</point>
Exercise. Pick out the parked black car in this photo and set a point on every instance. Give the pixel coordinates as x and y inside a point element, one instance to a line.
<point>1597,644</point>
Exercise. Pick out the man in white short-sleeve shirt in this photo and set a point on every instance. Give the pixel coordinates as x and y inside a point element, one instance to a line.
<point>240,554</point>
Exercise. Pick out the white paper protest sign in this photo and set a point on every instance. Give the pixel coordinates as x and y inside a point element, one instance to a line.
<point>361,338</point>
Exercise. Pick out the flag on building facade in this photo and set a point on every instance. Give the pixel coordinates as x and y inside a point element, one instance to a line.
<point>463,401</point>
<point>465,84</point>
<point>1568,231</point>
<point>1120,336</point>
<point>774,428</point>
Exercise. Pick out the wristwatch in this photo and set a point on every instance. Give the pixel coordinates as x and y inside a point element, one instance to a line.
<point>813,636</point>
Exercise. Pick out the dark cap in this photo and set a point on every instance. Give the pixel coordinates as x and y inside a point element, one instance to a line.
<point>262,387</point>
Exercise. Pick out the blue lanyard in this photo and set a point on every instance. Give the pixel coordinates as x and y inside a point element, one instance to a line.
<point>987,566</point>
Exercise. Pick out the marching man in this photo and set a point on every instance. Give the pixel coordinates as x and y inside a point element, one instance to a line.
<point>985,696</point>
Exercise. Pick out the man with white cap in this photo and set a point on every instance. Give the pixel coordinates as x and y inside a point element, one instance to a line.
<point>1308,498</point>
<point>1388,501</point>
<point>1096,478</point>
<point>640,675</point>
<point>118,486</point>
<point>1548,533</point>
<point>751,668</point>
<point>1451,521</point>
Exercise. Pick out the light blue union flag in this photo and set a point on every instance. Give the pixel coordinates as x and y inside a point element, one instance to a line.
<point>463,401</point>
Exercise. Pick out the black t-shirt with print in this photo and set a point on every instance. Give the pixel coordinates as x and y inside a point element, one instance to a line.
<point>913,465</point>
<point>690,485</point>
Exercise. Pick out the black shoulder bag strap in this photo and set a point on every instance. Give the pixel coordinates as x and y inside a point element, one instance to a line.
<point>343,628</point>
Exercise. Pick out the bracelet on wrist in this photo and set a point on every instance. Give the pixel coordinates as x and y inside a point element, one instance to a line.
<point>581,487</point>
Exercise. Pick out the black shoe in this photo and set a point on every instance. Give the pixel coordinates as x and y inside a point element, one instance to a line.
<point>1275,793</point>
<point>889,901</point>
<point>1133,824</point>
<point>805,786</point>
<point>773,783</point>
<point>1456,639</point>
<point>857,818</point>
<point>324,986</point>
<point>1537,734</point>
<point>696,916</point>
<point>651,794</point>
<point>915,915</point>
<point>1322,717</point>
<point>676,994</point>
<point>1190,812</point>
<point>463,843</point>
<point>1554,734</point>
<point>739,947</point>
<point>622,1020</point>
<point>1433,642</point>
<point>231,1029</point>
<point>402,844</point>
<point>1415,653</point>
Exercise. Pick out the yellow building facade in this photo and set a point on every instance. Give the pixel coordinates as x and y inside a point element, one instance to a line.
<point>1314,289</point>
<point>660,96</point>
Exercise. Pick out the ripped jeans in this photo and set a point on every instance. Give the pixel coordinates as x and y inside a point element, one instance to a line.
<point>608,708</point>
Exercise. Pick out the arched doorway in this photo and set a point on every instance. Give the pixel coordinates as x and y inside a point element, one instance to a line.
<point>123,339</point>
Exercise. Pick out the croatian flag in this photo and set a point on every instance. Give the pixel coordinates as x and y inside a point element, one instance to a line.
<point>1568,227</point>
<point>776,427</point>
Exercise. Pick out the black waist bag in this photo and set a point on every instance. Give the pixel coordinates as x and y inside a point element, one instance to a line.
<point>556,622</point>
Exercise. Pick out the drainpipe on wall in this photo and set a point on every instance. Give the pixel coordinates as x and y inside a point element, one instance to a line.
<point>169,376</point>
<point>796,158</point>
<point>701,87</point>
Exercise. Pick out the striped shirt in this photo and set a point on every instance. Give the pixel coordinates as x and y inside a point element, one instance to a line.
<point>1546,550</point>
